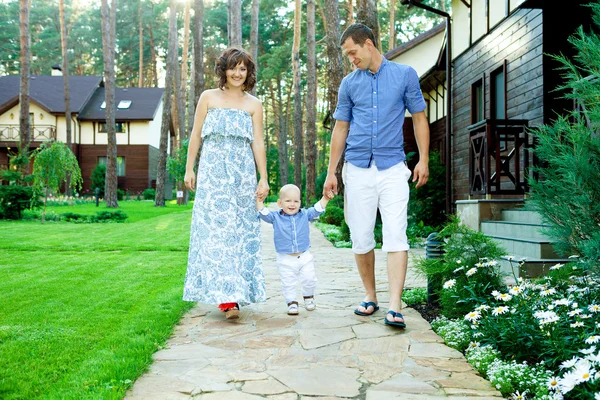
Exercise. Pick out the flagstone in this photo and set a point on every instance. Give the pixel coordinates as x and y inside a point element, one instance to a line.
<point>209,379</point>
<point>265,387</point>
<point>433,350</point>
<point>191,351</point>
<point>466,381</point>
<point>315,338</point>
<point>177,367</point>
<point>405,383</point>
<point>365,331</point>
<point>268,342</point>
<point>273,323</point>
<point>451,365</point>
<point>389,344</point>
<point>233,395</point>
<point>161,387</point>
<point>340,381</point>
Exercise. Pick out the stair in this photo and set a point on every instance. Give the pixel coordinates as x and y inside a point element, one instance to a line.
<point>521,233</point>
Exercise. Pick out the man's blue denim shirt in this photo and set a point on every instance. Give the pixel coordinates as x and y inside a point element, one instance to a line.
<point>291,231</point>
<point>375,104</point>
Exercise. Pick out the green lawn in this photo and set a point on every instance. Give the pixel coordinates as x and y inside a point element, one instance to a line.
<point>84,306</point>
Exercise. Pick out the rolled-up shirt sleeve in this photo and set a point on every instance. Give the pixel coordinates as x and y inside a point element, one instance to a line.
<point>343,111</point>
<point>266,215</point>
<point>413,98</point>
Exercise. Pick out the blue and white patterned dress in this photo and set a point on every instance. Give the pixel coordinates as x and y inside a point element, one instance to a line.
<point>224,261</point>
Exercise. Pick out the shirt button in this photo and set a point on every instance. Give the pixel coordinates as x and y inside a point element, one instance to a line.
<point>374,106</point>
<point>374,122</point>
<point>374,92</point>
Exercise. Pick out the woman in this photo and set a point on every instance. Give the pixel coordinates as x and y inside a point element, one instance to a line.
<point>224,262</point>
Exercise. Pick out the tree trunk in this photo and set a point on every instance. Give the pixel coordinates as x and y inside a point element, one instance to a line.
<point>161,174</point>
<point>65,72</point>
<point>184,68</point>
<point>367,15</point>
<point>311,102</point>
<point>282,139</point>
<point>25,40</point>
<point>198,50</point>
<point>235,23</point>
<point>298,136</point>
<point>153,50</point>
<point>335,71</point>
<point>108,45</point>
<point>254,36</point>
<point>392,25</point>
<point>141,47</point>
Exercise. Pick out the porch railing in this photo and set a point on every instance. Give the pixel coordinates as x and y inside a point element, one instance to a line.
<point>499,156</point>
<point>39,133</point>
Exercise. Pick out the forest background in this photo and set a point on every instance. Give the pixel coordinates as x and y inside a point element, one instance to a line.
<point>295,43</point>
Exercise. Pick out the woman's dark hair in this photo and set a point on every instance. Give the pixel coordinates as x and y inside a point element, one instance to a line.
<point>229,59</point>
<point>359,33</point>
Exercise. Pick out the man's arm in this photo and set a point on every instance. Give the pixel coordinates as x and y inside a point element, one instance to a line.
<point>421,127</point>
<point>336,148</point>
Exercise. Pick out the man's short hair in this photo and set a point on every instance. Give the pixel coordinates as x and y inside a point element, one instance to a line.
<point>359,34</point>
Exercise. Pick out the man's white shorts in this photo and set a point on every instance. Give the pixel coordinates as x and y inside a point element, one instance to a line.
<point>366,190</point>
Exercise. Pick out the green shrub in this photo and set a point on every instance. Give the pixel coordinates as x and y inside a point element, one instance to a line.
<point>414,296</point>
<point>468,267</point>
<point>456,333</point>
<point>427,204</point>
<point>109,216</point>
<point>120,194</point>
<point>98,178</point>
<point>481,357</point>
<point>70,217</point>
<point>149,194</point>
<point>14,199</point>
<point>333,215</point>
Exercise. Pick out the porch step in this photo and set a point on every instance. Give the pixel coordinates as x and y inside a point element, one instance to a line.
<point>522,215</point>
<point>514,229</point>
<point>530,268</point>
<point>527,247</point>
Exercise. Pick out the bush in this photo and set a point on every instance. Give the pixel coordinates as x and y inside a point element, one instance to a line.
<point>428,203</point>
<point>332,215</point>
<point>14,199</point>
<point>149,194</point>
<point>414,296</point>
<point>98,178</point>
<point>109,216</point>
<point>120,194</point>
<point>467,268</point>
<point>74,217</point>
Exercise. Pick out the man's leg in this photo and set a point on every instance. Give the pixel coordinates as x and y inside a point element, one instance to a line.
<point>366,269</point>
<point>393,201</point>
<point>397,263</point>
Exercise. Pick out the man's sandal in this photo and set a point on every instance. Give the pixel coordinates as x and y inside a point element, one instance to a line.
<point>395,323</point>
<point>366,305</point>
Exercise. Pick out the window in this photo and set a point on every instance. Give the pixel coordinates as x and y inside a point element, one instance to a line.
<point>124,104</point>
<point>119,126</point>
<point>498,93</point>
<point>477,101</point>
<point>120,164</point>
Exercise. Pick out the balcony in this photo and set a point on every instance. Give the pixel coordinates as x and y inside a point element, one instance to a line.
<point>39,133</point>
<point>500,157</point>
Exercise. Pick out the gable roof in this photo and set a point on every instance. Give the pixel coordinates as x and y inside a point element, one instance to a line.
<point>395,52</point>
<point>144,105</point>
<point>48,91</point>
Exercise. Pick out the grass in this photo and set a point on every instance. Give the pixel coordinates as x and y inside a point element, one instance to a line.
<point>84,306</point>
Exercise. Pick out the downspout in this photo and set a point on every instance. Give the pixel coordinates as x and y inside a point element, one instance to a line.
<point>447,149</point>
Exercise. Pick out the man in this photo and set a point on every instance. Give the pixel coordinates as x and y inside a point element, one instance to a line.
<point>369,116</point>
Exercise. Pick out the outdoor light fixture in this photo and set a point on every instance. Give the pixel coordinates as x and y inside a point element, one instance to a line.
<point>12,116</point>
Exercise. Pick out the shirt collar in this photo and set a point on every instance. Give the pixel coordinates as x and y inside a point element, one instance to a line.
<point>384,62</point>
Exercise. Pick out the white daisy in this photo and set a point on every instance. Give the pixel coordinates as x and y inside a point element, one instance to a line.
<point>577,324</point>
<point>547,292</point>
<point>473,316</point>
<point>553,383</point>
<point>593,339</point>
<point>575,312</point>
<point>499,310</point>
<point>449,284</point>
<point>472,271</point>
<point>591,350</point>
<point>557,266</point>
<point>569,363</point>
<point>594,308</point>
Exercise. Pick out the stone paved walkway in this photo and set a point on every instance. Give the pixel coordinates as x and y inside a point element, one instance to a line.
<point>329,353</point>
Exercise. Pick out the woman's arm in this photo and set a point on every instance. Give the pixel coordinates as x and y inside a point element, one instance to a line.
<point>258,149</point>
<point>195,140</point>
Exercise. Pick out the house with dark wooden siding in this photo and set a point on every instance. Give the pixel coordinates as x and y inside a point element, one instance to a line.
<point>138,119</point>
<point>503,81</point>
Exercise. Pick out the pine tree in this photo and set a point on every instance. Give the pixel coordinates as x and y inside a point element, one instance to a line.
<point>567,194</point>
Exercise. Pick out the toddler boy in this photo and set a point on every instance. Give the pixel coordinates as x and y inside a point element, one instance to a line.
<point>292,242</point>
